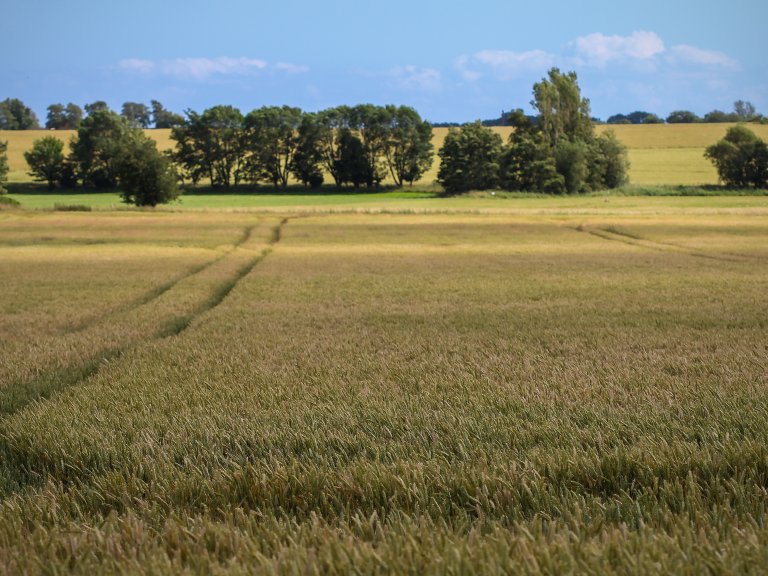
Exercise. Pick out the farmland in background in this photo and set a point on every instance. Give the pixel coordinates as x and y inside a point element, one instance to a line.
<point>552,386</point>
<point>660,154</point>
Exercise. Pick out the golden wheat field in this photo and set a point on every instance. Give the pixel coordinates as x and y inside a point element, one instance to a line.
<point>659,153</point>
<point>569,388</point>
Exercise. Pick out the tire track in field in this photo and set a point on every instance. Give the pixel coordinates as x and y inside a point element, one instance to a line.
<point>158,291</point>
<point>15,471</point>
<point>15,397</point>
<point>181,324</point>
<point>612,234</point>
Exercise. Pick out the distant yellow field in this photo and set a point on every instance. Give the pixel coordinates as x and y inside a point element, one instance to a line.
<point>659,153</point>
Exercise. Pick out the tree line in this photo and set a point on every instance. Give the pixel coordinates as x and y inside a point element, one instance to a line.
<point>357,146</point>
<point>15,115</point>
<point>556,152</point>
<point>360,145</point>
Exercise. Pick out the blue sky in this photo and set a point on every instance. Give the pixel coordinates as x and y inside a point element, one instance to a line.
<point>452,63</point>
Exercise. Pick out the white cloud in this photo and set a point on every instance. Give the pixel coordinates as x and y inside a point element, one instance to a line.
<point>691,55</point>
<point>503,64</point>
<point>291,68</point>
<point>598,49</point>
<point>137,65</point>
<point>415,78</point>
<point>203,68</point>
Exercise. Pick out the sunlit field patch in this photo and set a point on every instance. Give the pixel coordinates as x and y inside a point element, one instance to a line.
<point>533,392</point>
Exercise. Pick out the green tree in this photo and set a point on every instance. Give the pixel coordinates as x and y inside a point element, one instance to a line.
<point>162,118</point>
<point>332,126</point>
<point>74,115</point>
<point>306,166</point>
<point>741,158</point>
<point>571,162</point>
<point>353,165</point>
<point>407,145</point>
<point>608,162</point>
<point>272,140</point>
<point>563,113</point>
<point>98,106</point>
<point>528,163</point>
<point>96,148</point>
<point>46,160</point>
<point>370,125</point>
<point>3,166</point>
<point>719,116</point>
<point>15,115</point>
<point>136,113</point>
<point>146,176</point>
<point>682,117</point>
<point>744,111</point>
<point>211,145</point>
<point>470,159</point>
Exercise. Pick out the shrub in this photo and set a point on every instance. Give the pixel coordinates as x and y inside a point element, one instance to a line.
<point>741,158</point>
<point>470,159</point>
<point>146,176</point>
<point>46,160</point>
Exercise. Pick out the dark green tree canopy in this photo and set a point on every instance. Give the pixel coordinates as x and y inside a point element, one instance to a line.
<point>469,159</point>
<point>407,144</point>
<point>211,145</point>
<point>96,148</point>
<point>682,117</point>
<point>46,160</point>
<point>137,114</point>
<point>62,117</point>
<point>308,157</point>
<point>15,115</point>
<point>272,140</point>
<point>146,177</point>
<point>94,107</point>
<point>741,158</point>
<point>162,118</point>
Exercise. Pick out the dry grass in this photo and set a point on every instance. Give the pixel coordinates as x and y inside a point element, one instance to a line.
<point>411,394</point>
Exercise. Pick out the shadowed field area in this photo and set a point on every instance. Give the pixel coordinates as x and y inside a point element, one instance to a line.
<point>531,392</point>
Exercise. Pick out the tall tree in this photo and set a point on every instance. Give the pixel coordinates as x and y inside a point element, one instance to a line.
<point>136,113</point>
<point>96,148</point>
<point>332,125</point>
<point>162,118</point>
<point>371,125</point>
<point>744,111</point>
<point>74,115</point>
<point>407,145</point>
<point>307,160</point>
<point>56,118</point>
<point>211,145</point>
<point>563,113</point>
<point>145,175</point>
<point>94,107</point>
<point>46,160</point>
<point>470,159</point>
<point>15,115</point>
<point>272,140</point>
<point>528,163</point>
<point>62,117</point>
